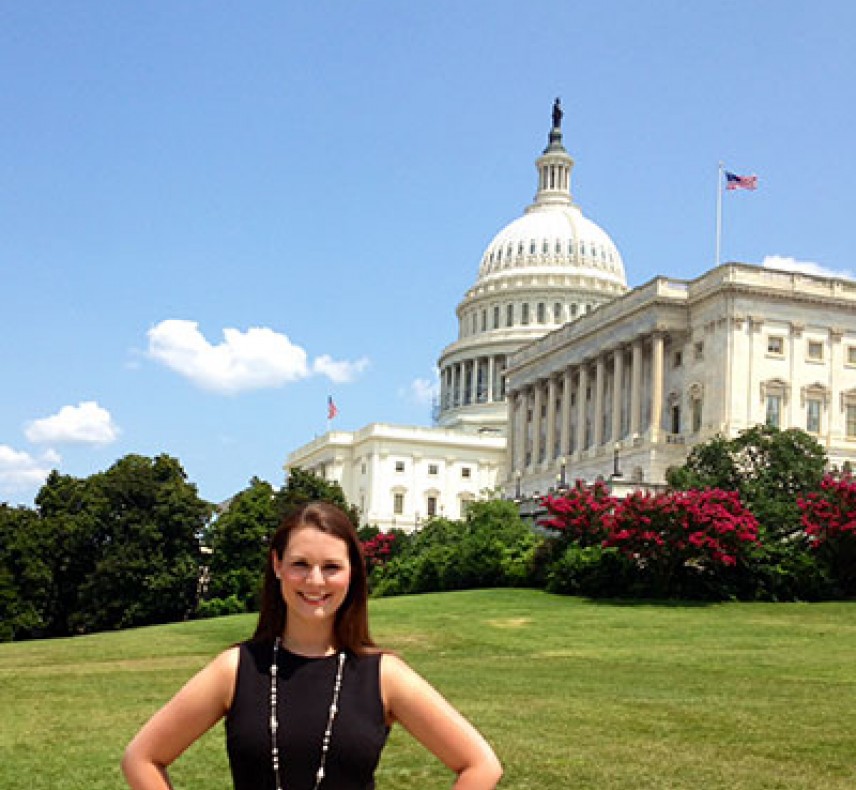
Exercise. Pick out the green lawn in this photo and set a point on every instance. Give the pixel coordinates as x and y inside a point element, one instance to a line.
<point>572,693</point>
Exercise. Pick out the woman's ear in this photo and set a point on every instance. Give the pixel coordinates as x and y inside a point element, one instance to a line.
<point>276,563</point>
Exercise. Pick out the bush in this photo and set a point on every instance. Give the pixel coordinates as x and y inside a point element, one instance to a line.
<point>492,547</point>
<point>218,607</point>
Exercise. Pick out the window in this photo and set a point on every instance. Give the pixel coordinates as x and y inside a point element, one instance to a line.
<point>484,320</point>
<point>431,506</point>
<point>542,313</point>
<point>676,419</point>
<point>851,355</point>
<point>677,360</point>
<point>574,310</point>
<point>433,469</point>
<point>850,420</point>
<point>775,345</point>
<point>815,350</point>
<point>466,471</point>
<point>399,466</point>
<point>496,317</point>
<point>363,469</point>
<point>545,247</point>
<point>697,411</point>
<point>557,313</point>
<point>774,411</point>
<point>398,504</point>
<point>698,349</point>
<point>520,248</point>
<point>524,318</point>
<point>509,315</point>
<point>812,415</point>
<point>532,247</point>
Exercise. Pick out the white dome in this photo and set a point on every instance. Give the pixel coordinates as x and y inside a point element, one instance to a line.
<point>552,239</point>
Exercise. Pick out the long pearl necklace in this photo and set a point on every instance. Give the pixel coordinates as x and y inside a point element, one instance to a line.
<point>274,722</point>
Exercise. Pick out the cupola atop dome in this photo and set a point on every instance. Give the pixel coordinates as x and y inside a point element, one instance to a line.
<point>553,237</point>
<point>554,167</point>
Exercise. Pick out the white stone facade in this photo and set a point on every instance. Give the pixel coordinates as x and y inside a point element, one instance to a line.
<point>399,475</point>
<point>634,385</point>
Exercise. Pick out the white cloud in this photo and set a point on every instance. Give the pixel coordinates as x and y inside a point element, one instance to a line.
<point>789,264</point>
<point>86,423</point>
<point>339,372</point>
<point>20,471</point>
<point>422,391</point>
<point>256,359</point>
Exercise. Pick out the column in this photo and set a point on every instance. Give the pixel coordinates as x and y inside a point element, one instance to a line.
<point>551,419</point>
<point>490,375</point>
<point>617,375</point>
<point>581,408</point>
<point>523,397</point>
<point>597,434</point>
<point>565,430</point>
<point>656,386</point>
<point>636,388</point>
<point>512,434</point>
<point>536,423</point>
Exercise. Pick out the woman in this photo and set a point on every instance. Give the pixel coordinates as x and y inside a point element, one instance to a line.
<point>309,700</point>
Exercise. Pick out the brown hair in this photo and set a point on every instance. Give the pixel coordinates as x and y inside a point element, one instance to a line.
<point>351,624</point>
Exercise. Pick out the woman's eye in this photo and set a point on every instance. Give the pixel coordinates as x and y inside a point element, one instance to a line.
<point>300,564</point>
<point>332,568</point>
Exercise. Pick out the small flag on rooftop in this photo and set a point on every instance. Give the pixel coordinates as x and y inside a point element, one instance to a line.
<point>733,181</point>
<point>332,411</point>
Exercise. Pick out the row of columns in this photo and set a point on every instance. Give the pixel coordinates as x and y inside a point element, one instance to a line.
<point>521,439</point>
<point>459,382</point>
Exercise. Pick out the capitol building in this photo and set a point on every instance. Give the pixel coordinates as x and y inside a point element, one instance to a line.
<point>561,372</point>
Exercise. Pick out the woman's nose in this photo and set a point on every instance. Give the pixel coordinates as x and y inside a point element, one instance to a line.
<point>315,575</point>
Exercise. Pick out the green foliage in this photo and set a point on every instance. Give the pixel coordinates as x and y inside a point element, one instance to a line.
<point>303,486</point>
<point>25,578</point>
<point>219,607</point>
<point>238,539</point>
<point>491,547</point>
<point>119,548</point>
<point>769,468</point>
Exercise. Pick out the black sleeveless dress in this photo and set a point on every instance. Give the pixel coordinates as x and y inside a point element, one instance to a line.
<point>304,692</point>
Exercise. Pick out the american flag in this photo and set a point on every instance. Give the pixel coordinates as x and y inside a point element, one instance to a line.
<point>332,411</point>
<point>733,181</point>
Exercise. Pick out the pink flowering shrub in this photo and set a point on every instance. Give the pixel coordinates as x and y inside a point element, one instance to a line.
<point>581,515</point>
<point>700,529</point>
<point>379,549</point>
<point>684,543</point>
<point>829,521</point>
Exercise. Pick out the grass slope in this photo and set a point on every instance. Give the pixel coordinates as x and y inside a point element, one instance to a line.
<point>572,693</point>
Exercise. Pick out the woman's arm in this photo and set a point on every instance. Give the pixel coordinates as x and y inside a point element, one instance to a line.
<point>202,702</point>
<point>425,714</point>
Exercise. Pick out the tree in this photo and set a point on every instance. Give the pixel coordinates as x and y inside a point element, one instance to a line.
<point>239,539</point>
<point>303,486</point>
<point>768,467</point>
<point>125,545</point>
<point>25,577</point>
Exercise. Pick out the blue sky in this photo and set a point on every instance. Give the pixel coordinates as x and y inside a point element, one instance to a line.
<point>215,215</point>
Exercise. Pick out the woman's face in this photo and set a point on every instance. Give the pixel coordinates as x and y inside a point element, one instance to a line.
<point>314,574</point>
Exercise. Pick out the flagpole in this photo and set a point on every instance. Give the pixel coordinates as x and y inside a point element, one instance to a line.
<point>718,213</point>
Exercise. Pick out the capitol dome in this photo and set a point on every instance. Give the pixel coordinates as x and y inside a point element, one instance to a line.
<point>542,270</point>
